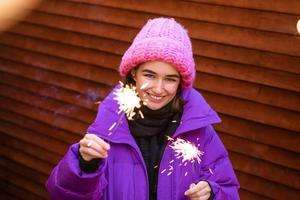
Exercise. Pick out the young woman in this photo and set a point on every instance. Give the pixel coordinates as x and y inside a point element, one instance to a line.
<point>137,160</point>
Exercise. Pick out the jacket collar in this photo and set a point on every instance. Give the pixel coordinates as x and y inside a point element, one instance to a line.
<point>197,113</point>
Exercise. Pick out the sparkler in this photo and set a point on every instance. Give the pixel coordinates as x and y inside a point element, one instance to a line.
<point>128,100</point>
<point>186,151</point>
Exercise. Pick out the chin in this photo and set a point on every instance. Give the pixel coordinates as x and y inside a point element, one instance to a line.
<point>155,107</point>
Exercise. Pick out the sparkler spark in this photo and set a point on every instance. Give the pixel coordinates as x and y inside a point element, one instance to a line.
<point>186,151</point>
<point>112,126</point>
<point>141,114</point>
<point>144,85</point>
<point>97,102</point>
<point>128,100</point>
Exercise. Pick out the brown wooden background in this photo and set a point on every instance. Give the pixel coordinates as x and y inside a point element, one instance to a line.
<point>65,55</point>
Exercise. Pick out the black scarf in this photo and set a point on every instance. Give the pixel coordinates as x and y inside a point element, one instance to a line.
<point>151,134</point>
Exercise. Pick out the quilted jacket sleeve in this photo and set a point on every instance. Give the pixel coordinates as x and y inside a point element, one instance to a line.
<point>217,168</point>
<point>68,182</point>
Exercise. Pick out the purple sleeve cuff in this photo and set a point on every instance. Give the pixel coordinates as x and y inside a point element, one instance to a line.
<point>71,177</point>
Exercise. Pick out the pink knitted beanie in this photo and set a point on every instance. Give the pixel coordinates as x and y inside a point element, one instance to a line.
<point>162,39</point>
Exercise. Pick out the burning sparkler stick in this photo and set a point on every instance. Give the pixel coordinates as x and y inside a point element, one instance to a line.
<point>128,100</point>
<point>185,150</point>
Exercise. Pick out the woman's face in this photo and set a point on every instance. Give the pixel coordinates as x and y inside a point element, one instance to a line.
<point>157,83</point>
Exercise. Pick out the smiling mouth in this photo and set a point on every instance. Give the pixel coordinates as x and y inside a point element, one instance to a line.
<point>155,97</point>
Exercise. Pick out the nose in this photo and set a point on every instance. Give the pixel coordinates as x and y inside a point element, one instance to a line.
<point>158,86</point>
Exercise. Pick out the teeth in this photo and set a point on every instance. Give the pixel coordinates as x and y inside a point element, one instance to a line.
<point>155,97</point>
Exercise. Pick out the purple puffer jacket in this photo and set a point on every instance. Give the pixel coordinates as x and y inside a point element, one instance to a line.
<point>123,175</point>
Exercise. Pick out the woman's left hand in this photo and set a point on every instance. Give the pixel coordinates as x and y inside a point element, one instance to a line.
<point>199,191</point>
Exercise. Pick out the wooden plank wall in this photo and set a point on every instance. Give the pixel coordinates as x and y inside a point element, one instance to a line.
<point>64,57</point>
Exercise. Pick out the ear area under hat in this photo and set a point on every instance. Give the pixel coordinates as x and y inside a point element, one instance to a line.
<point>133,73</point>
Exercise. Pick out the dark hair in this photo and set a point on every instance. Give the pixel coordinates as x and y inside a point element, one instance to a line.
<point>177,103</point>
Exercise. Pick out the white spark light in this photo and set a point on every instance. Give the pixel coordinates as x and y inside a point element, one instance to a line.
<point>144,85</point>
<point>112,126</point>
<point>128,100</point>
<point>186,151</point>
<point>141,114</point>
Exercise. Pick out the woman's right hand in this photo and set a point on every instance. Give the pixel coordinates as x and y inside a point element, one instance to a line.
<point>91,146</point>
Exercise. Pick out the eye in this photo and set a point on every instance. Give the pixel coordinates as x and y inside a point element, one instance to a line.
<point>149,76</point>
<point>173,80</point>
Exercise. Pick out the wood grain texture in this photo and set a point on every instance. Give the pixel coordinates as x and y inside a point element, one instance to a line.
<point>64,57</point>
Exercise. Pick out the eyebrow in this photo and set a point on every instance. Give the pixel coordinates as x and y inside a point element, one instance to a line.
<point>169,75</point>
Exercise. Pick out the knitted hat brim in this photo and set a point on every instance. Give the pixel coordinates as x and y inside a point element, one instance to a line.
<point>154,49</point>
